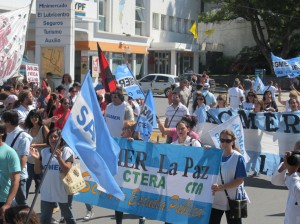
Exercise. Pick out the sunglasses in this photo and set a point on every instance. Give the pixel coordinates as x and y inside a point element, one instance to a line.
<point>125,128</point>
<point>250,95</point>
<point>222,140</point>
<point>219,99</point>
<point>34,116</point>
<point>200,98</point>
<point>66,103</point>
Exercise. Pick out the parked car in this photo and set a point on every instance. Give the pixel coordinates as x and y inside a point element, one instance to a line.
<point>158,83</point>
<point>188,76</point>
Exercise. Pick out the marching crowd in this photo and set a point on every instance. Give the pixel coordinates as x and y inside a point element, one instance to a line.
<point>33,117</point>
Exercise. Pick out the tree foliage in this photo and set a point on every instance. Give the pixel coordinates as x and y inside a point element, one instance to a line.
<point>274,23</point>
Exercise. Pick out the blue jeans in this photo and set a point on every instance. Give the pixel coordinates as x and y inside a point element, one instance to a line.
<point>89,207</point>
<point>47,210</point>
<point>32,176</point>
<point>21,193</point>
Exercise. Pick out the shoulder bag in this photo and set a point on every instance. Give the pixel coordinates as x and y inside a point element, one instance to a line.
<point>237,208</point>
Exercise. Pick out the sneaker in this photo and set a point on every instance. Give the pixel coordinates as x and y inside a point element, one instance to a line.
<point>62,220</point>
<point>88,216</point>
<point>53,221</point>
<point>142,220</point>
<point>56,209</point>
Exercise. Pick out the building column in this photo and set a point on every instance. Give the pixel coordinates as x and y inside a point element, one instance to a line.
<point>133,65</point>
<point>145,72</point>
<point>173,65</point>
<point>196,62</point>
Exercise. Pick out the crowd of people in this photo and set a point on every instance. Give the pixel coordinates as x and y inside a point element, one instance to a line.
<point>33,117</point>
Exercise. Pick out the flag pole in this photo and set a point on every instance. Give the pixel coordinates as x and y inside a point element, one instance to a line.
<point>41,182</point>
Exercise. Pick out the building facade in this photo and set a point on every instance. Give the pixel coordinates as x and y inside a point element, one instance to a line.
<point>149,36</point>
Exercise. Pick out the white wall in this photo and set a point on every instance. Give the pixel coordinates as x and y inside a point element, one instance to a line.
<point>233,35</point>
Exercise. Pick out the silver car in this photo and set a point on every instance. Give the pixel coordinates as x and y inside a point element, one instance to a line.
<point>158,83</point>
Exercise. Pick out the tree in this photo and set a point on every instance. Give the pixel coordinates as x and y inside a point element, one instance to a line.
<point>274,23</point>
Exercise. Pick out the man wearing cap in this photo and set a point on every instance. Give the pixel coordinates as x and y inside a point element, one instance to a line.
<point>184,92</point>
<point>209,97</point>
<point>236,95</point>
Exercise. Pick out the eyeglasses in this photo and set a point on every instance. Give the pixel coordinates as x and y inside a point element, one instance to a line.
<point>222,140</point>
<point>250,95</point>
<point>200,98</point>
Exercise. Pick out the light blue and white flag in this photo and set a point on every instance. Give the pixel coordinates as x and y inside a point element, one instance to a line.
<point>147,119</point>
<point>87,135</point>
<point>259,86</point>
<point>125,79</point>
<point>290,67</point>
<point>234,124</point>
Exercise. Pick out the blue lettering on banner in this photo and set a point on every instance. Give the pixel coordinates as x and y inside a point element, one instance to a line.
<point>52,167</point>
<point>88,126</point>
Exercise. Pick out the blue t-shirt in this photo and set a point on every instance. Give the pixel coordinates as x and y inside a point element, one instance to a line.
<point>240,170</point>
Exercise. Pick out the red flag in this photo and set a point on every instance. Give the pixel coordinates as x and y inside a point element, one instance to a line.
<point>108,80</point>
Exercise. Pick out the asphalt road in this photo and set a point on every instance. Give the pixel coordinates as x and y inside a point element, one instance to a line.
<point>267,201</point>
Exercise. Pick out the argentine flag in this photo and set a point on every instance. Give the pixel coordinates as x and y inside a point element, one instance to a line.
<point>87,135</point>
<point>259,86</point>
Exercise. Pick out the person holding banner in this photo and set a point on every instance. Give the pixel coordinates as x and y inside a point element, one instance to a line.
<point>52,189</point>
<point>221,101</point>
<point>231,179</point>
<point>293,95</point>
<point>248,104</point>
<point>172,131</point>
<point>183,129</point>
<point>269,102</point>
<point>199,108</point>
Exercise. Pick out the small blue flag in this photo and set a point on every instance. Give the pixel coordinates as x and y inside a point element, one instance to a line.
<point>258,86</point>
<point>88,136</point>
<point>125,79</point>
<point>147,119</point>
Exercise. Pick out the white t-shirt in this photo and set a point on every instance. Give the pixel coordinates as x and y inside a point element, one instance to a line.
<point>248,106</point>
<point>23,112</point>
<point>52,189</point>
<point>188,142</point>
<point>115,115</point>
<point>272,89</point>
<point>235,94</point>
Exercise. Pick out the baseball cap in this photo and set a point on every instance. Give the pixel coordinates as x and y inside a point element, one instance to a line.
<point>206,85</point>
<point>10,99</point>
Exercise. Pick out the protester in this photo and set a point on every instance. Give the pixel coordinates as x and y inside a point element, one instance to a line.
<point>247,85</point>
<point>23,105</point>
<point>183,128</point>
<point>99,85</point>
<point>62,113</point>
<point>221,101</point>
<point>171,89</point>
<point>52,189</point>
<point>293,95</point>
<point>135,107</point>
<point>72,96</point>
<point>199,108</point>
<point>42,101</point>
<point>107,100</point>
<point>61,90</point>
<point>235,95</point>
<point>129,133</point>
<point>269,102</point>
<point>10,173</point>
<point>49,81</point>
<point>294,105</point>
<point>209,97</point>
<point>248,104</point>
<point>233,172</point>
<point>38,132</point>
<point>116,112</point>
<point>52,105</point>
<point>77,87</point>
<point>198,89</point>
<point>271,88</point>
<point>184,92</point>
<point>20,141</point>
<point>66,82</point>
<point>173,132</point>
<point>18,215</point>
<point>174,113</point>
<point>258,106</point>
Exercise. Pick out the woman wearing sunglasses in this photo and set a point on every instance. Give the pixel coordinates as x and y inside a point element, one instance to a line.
<point>199,108</point>
<point>248,104</point>
<point>233,172</point>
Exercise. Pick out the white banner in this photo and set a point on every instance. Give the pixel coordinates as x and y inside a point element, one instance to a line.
<point>12,41</point>
<point>32,73</point>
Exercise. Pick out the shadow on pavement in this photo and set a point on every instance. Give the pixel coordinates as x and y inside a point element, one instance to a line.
<point>279,214</point>
<point>260,182</point>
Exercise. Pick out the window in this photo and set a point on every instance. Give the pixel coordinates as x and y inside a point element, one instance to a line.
<point>148,78</point>
<point>155,21</point>
<point>139,17</point>
<point>178,25</point>
<point>101,15</point>
<point>185,26</point>
<point>171,23</point>
<point>163,22</point>
<point>161,78</point>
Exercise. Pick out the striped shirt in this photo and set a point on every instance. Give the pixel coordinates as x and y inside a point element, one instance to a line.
<point>178,113</point>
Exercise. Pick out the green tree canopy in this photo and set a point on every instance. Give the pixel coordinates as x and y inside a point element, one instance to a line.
<point>274,23</point>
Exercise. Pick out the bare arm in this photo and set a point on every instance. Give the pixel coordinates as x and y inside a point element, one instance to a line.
<point>279,97</point>
<point>15,180</point>
<point>23,160</point>
<point>163,130</point>
<point>65,166</point>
